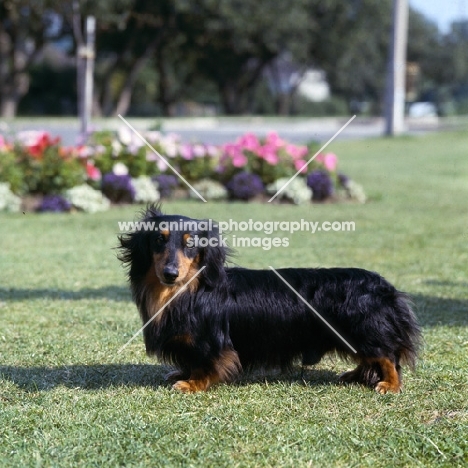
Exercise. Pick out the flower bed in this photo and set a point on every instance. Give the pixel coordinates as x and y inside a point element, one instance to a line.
<point>120,168</point>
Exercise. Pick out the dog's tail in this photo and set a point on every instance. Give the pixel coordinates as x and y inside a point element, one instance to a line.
<point>409,331</point>
<point>400,342</point>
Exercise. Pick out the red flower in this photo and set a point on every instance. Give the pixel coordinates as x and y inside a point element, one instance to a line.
<point>36,142</point>
<point>92,171</point>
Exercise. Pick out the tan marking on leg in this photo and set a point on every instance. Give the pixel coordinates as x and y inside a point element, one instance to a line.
<point>226,367</point>
<point>390,381</point>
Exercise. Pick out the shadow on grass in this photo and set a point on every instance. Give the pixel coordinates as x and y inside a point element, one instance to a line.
<point>114,293</point>
<point>87,377</point>
<point>436,311</point>
<point>96,377</point>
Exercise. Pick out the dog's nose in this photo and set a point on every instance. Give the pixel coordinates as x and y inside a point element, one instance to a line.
<point>170,273</point>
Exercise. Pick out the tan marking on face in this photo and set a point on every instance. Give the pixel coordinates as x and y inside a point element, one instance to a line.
<point>165,233</point>
<point>188,268</point>
<point>159,260</point>
<point>186,238</point>
<point>158,293</point>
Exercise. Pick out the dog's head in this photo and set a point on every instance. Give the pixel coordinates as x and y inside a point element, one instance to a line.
<point>176,247</point>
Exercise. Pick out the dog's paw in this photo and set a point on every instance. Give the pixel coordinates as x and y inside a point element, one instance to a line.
<point>184,386</point>
<point>386,387</point>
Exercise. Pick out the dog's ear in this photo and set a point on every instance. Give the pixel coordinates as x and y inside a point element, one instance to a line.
<point>135,253</point>
<point>213,258</point>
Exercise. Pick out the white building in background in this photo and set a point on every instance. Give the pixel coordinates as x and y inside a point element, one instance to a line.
<point>313,85</point>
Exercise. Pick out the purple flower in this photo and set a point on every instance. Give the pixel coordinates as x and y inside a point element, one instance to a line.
<point>321,185</point>
<point>166,184</point>
<point>54,204</point>
<point>118,188</point>
<point>244,186</point>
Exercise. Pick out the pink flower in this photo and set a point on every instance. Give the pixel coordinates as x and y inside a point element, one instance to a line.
<point>212,150</point>
<point>330,161</point>
<point>231,149</point>
<point>249,141</point>
<point>300,164</point>
<point>199,151</point>
<point>296,152</point>
<point>320,158</point>
<point>186,152</point>
<point>268,154</point>
<point>151,156</point>
<point>162,166</point>
<point>84,151</point>
<point>239,160</point>
<point>92,171</point>
<point>273,139</point>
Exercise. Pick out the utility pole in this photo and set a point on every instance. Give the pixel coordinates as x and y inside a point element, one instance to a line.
<point>88,54</point>
<point>395,95</point>
<point>84,67</point>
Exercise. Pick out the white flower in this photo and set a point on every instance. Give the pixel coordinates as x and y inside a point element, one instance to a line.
<point>170,150</point>
<point>116,148</point>
<point>125,135</point>
<point>296,191</point>
<point>30,137</point>
<point>153,136</point>
<point>120,168</point>
<point>8,200</point>
<point>87,199</point>
<point>209,189</point>
<point>356,191</point>
<point>145,190</point>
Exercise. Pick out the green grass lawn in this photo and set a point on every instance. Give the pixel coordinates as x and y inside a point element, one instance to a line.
<point>68,399</point>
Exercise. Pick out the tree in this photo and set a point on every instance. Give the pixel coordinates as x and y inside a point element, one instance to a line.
<point>24,28</point>
<point>234,40</point>
<point>353,41</point>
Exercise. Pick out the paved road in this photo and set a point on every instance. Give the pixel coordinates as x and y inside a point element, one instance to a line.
<point>218,131</point>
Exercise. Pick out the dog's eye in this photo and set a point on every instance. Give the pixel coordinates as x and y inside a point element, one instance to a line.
<point>159,240</point>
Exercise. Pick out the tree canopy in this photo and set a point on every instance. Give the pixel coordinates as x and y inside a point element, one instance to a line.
<point>221,51</point>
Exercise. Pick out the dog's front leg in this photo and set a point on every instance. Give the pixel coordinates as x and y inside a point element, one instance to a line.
<point>199,381</point>
<point>223,369</point>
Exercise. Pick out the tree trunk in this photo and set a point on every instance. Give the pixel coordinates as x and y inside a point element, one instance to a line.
<point>229,99</point>
<point>125,97</point>
<point>11,92</point>
<point>9,106</point>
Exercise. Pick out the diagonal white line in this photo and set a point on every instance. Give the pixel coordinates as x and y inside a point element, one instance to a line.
<point>161,157</point>
<point>160,310</point>
<point>312,158</point>
<point>313,310</point>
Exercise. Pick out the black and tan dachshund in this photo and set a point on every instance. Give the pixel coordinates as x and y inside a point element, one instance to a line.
<point>211,322</point>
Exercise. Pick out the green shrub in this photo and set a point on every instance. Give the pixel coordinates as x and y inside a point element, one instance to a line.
<point>11,172</point>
